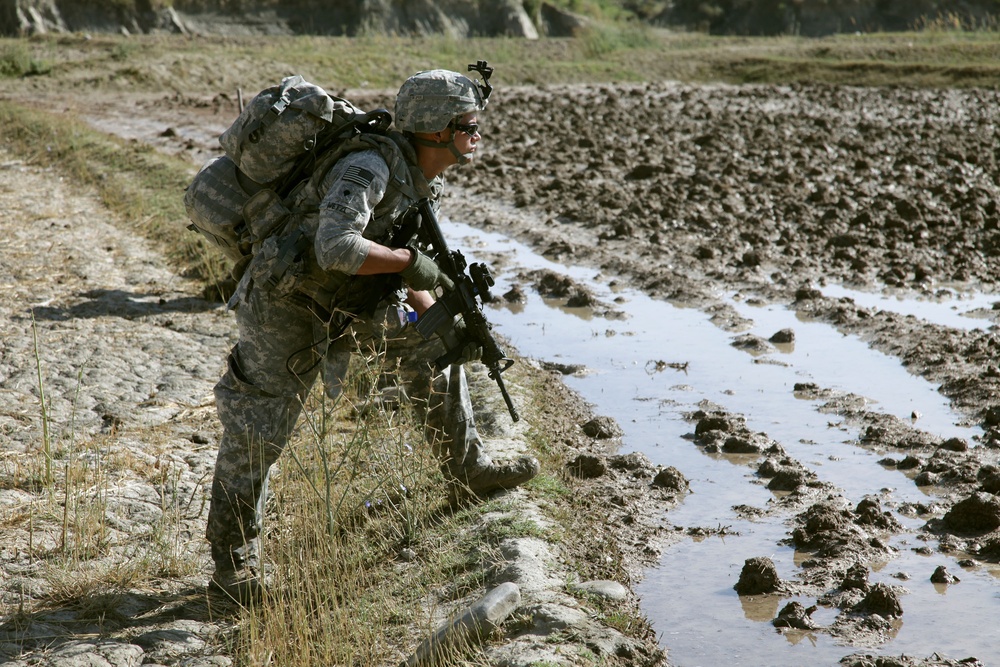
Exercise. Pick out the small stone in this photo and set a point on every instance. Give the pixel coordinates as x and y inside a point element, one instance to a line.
<point>783,336</point>
<point>602,428</point>
<point>672,479</point>
<point>515,295</point>
<point>856,577</point>
<point>587,466</point>
<point>980,512</point>
<point>737,444</point>
<point>795,615</point>
<point>611,590</point>
<point>881,600</point>
<point>788,479</point>
<point>955,445</point>
<point>807,294</point>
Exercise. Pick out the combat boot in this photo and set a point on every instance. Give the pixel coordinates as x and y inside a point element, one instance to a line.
<point>244,584</point>
<point>503,475</point>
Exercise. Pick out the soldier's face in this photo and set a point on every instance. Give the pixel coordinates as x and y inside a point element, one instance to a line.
<point>465,133</point>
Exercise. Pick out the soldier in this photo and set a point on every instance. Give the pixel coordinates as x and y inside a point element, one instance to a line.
<point>285,334</point>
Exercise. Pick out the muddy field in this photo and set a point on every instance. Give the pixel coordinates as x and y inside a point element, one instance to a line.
<point>690,193</point>
<point>772,193</point>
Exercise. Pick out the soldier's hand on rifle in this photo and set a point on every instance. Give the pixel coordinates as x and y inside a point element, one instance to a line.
<point>423,273</point>
<point>471,352</point>
<point>458,338</point>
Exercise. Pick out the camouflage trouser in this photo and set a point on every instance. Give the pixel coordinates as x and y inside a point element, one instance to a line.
<point>442,397</point>
<point>282,348</point>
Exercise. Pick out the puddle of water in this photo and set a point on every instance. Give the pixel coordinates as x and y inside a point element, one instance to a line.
<point>834,361</point>
<point>633,375</point>
<point>718,627</point>
<point>958,310</point>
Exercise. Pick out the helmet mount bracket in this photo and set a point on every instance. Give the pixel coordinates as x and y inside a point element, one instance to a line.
<point>485,71</point>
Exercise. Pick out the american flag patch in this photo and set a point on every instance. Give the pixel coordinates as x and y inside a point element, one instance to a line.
<point>359,175</point>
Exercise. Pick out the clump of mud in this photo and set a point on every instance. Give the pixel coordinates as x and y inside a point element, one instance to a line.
<point>795,615</point>
<point>718,431</point>
<point>759,575</point>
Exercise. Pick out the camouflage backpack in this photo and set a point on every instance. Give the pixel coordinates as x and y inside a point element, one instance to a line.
<point>237,200</point>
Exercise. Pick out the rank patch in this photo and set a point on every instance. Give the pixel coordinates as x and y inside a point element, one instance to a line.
<point>359,175</point>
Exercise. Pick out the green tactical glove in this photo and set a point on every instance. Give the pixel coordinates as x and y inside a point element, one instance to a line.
<point>422,273</point>
<point>471,351</point>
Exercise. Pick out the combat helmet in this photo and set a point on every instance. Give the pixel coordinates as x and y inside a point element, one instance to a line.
<point>431,100</point>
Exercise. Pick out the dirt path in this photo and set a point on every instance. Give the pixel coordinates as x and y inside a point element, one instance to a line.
<point>125,357</point>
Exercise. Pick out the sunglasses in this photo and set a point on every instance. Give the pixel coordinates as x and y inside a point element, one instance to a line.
<point>470,129</point>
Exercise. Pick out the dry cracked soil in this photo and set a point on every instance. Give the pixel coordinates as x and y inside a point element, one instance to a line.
<point>684,192</point>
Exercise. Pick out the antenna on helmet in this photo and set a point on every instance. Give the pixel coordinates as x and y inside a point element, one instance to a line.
<point>485,71</point>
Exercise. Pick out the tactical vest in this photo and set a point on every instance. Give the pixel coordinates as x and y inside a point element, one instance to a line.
<point>285,261</point>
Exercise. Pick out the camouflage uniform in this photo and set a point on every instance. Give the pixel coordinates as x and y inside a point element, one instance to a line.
<point>285,334</point>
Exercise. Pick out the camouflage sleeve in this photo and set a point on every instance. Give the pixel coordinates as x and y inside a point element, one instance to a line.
<point>353,188</point>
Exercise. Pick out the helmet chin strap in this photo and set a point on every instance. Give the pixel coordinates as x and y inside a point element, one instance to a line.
<point>463,158</point>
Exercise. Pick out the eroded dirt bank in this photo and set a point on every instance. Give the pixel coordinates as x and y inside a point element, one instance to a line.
<point>690,192</point>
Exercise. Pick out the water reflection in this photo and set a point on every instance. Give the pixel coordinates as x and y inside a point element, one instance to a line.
<point>947,307</point>
<point>760,608</point>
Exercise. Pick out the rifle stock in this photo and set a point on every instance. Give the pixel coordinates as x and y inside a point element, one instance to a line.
<point>460,299</point>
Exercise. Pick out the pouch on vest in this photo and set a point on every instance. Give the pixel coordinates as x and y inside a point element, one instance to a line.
<point>214,201</point>
<point>264,213</point>
<point>275,263</point>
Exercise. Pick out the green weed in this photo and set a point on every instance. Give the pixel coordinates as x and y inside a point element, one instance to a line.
<point>17,61</point>
<point>600,40</point>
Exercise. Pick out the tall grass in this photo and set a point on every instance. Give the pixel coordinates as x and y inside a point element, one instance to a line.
<point>601,40</point>
<point>956,22</point>
<point>16,60</point>
<point>359,527</point>
<point>46,440</point>
<point>359,532</point>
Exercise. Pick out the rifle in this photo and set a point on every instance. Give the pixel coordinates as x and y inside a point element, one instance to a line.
<point>460,299</point>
